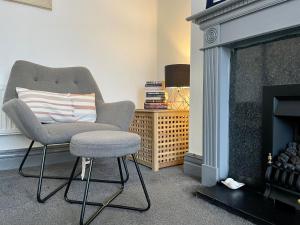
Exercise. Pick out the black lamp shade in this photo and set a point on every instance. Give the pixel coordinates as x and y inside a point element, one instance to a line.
<point>177,75</point>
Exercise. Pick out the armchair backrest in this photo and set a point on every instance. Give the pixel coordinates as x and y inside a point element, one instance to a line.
<point>77,80</point>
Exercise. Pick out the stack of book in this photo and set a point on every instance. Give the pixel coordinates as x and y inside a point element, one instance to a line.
<point>155,95</point>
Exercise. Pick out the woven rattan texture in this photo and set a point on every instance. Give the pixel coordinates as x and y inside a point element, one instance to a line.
<point>165,138</point>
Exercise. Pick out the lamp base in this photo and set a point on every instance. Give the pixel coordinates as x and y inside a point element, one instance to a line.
<point>178,98</point>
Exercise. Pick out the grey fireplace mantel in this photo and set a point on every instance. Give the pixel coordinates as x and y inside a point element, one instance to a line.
<point>227,23</point>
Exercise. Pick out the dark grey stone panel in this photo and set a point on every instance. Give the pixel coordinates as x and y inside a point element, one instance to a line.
<point>273,63</point>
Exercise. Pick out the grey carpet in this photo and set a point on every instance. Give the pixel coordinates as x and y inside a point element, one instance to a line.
<point>171,194</point>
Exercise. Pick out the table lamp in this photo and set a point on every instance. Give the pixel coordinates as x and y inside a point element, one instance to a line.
<point>177,80</point>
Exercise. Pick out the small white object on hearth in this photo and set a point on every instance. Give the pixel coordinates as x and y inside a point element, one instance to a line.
<point>232,184</point>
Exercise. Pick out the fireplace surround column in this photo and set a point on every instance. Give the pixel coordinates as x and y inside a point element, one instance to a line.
<point>215,110</point>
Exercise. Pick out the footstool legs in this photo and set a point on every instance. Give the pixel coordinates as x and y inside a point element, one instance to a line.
<point>86,192</point>
<point>126,168</point>
<point>143,184</point>
<point>107,202</point>
<point>121,174</point>
<point>41,177</point>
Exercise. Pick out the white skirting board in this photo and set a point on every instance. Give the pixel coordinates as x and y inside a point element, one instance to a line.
<point>11,159</point>
<point>193,165</point>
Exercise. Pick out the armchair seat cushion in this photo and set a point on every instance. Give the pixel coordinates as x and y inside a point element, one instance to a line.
<point>60,133</point>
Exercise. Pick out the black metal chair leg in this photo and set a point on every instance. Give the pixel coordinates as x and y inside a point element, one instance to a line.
<point>34,175</point>
<point>66,178</point>
<point>24,159</point>
<point>86,192</point>
<point>40,183</point>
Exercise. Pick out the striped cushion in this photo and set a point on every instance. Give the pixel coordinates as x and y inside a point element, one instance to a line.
<point>52,107</point>
<point>84,107</point>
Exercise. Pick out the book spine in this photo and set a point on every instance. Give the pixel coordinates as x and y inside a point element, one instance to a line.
<point>155,84</point>
<point>155,101</point>
<point>154,89</point>
<point>155,92</point>
<point>155,96</point>
<point>155,107</point>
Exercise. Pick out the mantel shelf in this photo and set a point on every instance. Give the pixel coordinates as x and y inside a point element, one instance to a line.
<point>229,10</point>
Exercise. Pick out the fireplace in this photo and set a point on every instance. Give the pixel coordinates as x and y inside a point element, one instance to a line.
<point>269,63</point>
<point>231,25</point>
<point>281,138</point>
<point>234,138</point>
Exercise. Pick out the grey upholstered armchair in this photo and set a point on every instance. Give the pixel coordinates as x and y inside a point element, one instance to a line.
<point>110,116</point>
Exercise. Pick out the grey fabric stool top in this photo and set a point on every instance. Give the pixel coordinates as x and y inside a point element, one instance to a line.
<point>103,144</point>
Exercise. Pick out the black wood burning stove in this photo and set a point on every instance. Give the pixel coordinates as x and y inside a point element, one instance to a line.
<point>281,143</point>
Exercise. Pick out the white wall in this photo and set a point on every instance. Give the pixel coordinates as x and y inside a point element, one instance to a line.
<point>196,89</point>
<point>115,39</point>
<point>173,34</point>
<point>179,42</point>
<point>123,43</point>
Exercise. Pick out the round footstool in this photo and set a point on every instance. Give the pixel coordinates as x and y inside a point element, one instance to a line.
<point>104,144</point>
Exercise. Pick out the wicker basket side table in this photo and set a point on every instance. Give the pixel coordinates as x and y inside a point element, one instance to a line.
<point>165,137</point>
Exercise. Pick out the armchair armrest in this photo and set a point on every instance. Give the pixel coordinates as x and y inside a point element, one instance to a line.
<point>24,119</point>
<point>118,113</point>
